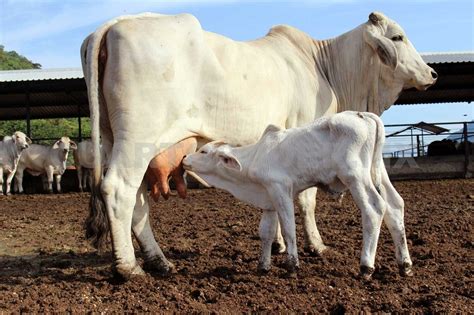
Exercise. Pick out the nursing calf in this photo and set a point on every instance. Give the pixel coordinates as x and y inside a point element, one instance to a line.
<point>337,153</point>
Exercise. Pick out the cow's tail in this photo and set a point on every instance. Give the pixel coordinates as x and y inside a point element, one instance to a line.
<point>377,158</point>
<point>97,225</point>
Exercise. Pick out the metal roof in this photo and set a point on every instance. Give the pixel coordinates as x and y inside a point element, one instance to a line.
<point>448,57</point>
<point>431,128</point>
<point>54,93</point>
<point>40,74</point>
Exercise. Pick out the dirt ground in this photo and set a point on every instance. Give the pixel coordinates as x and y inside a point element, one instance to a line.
<point>46,265</point>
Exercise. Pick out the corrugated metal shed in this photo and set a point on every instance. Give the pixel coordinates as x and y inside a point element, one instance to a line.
<point>53,93</point>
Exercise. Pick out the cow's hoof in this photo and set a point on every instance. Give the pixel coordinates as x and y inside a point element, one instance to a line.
<point>8,193</point>
<point>263,269</point>
<point>160,266</point>
<point>315,251</point>
<point>366,272</point>
<point>125,273</point>
<point>278,248</point>
<point>292,265</point>
<point>405,269</point>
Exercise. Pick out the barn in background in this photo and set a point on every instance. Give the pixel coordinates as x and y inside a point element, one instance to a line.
<point>61,93</point>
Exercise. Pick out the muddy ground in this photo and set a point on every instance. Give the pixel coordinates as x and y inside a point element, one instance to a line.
<point>46,265</point>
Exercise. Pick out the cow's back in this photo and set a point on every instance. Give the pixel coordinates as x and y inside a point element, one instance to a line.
<point>34,157</point>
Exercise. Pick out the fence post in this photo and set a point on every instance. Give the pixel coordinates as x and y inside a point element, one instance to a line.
<point>466,151</point>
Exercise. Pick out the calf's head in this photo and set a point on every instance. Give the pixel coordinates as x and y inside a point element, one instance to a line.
<point>215,163</point>
<point>404,64</point>
<point>21,140</point>
<point>65,144</point>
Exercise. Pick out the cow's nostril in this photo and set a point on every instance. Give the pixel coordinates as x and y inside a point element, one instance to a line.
<point>434,75</point>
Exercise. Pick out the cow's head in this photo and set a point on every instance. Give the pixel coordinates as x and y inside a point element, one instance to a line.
<point>65,144</point>
<point>214,162</point>
<point>22,142</point>
<point>403,63</point>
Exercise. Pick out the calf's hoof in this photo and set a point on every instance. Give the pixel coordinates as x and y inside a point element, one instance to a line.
<point>405,269</point>
<point>8,194</point>
<point>315,251</point>
<point>126,273</point>
<point>278,248</point>
<point>366,272</point>
<point>160,266</point>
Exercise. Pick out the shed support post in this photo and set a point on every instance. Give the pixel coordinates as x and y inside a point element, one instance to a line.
<point>466,152</point>
<point>79,122</point>
<point>28,114</point>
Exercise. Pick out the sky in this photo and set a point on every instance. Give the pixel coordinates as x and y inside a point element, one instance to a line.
<point>50,32</point>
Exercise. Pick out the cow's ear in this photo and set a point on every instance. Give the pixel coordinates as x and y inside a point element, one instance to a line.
<point>271,128</point>
<point>384,47</point>
<point>56,144</point>
<point>72,145</point>
<point>230,161</point>
<point>28,140</point>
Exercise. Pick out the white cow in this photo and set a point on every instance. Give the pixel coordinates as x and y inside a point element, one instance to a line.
<point>10,151</point>
<point>334,153</point>
<point>154,80</point>
<point>84,162</point>
<point>45,160</point>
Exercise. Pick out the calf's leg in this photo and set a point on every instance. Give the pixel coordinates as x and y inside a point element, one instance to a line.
<point>283,204</point>
<point>19,180</point>
<point>1,180</point>
<point>58,182</point>
<point>154,257</point>
<point>268,226</point>
<point>372,207</point>
<point>394,219</point>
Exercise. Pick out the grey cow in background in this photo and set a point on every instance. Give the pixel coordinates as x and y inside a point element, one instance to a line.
<point>45,160</point>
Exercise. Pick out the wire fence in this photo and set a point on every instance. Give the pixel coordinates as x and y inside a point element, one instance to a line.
<point>409,140</point>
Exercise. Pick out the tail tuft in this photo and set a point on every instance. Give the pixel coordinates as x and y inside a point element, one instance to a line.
<point>97,223</point>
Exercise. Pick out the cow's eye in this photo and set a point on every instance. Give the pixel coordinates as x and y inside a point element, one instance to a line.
<point>397,38</point>
<point>203,152</point>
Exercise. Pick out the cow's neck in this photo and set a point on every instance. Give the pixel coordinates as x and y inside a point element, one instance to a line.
<point>353,71</point>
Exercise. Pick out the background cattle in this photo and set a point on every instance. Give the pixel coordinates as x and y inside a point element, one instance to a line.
<point>10,152</point>
<point>177,81</point>
<point>442,147</point>
<point>83,160</point>
<point>45,160</point>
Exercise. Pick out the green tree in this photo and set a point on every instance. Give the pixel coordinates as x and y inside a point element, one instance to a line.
<point>11,60</point>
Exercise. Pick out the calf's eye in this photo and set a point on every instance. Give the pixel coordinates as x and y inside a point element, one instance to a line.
<point>203,152</point>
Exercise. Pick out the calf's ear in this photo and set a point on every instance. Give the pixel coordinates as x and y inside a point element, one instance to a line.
<point>230,161</point>
<point>56,144</point>
<point>28,140</point>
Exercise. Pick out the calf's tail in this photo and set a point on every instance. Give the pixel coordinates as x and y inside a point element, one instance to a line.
<point>377,158</point>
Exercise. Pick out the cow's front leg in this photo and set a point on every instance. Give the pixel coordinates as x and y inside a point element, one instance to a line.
<point>58,182</point>
<point>19,180</point>
<point>9,182</point>
<point>154,257</point>
<point>307,202</point>
<point>1,181</point>
<point>49,175</point>
<point>268,226</point>
<point>283,203</point>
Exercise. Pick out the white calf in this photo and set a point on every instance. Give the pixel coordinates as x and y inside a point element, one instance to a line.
<point>40,159</point>
<point>334,153</point>
<point>10,151</point>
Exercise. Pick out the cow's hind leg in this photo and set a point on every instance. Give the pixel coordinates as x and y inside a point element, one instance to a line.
<point>313,242</point>
<point>154,258</point>
<point>119,191</point>
<point>394,220</point>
